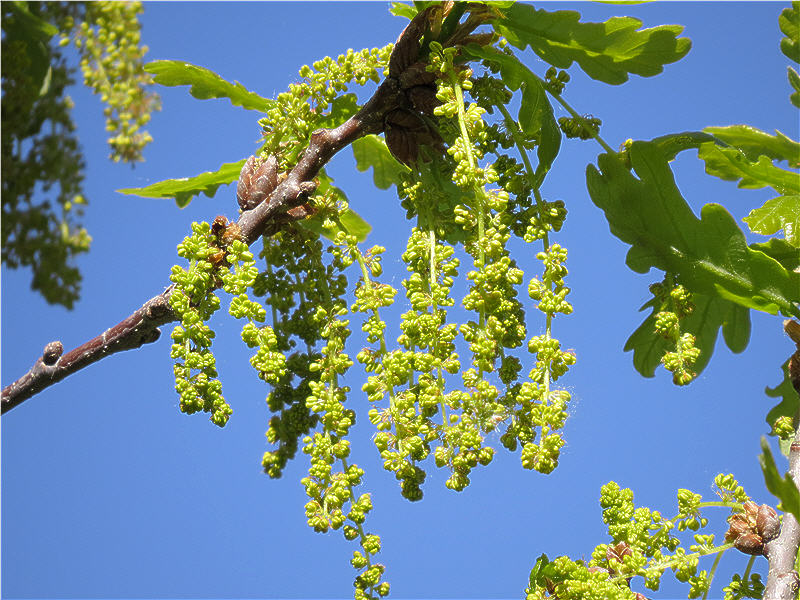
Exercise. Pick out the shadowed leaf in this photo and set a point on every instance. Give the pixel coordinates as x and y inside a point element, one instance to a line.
<point>788,405</point>
<point>754,142</point>
<point>782,487</point>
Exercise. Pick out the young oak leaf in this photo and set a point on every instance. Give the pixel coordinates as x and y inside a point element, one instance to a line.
<point>779,213</point>
<point>606,51</point>
<point>754,143</point>
<point>186,188</point>
<point>710,254</point>
<point>205,84</point>
<point>732,164</point>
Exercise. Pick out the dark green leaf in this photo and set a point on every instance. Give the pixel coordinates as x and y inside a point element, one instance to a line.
<point>674,143</point>
<point>606,51</point>
<point>782,251</point>
<point>731,164</point>
<point>35,33</point>
<point>794,81</point>
<point>754,142</point>
<point>371,151</point>
<point>784,487</point>
<point>710,254</point>
<point>787,407</point>
<point>205,84</point>
<point>789,22</point>
<point>342,108</point>
<point>779,213</point>
<point>535,112</point>
<point>186,188</point>
<point>709,315</point>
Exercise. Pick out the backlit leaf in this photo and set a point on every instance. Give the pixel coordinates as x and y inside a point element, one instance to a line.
<point>370,151</point>
<point>789,22</point>
<point>709,315</point>
<point>709,255</point>
<point>731,164</point>
<point>788,405</point>
<point>205,84</point>
<point>342,108</point>
<point>186,188</point>
<point>606,51</point>
<point>794,81</point>
<point>782,251</point>
<point>754,142</point>
<point>782,487</point>
<point>779,213</point>
<point>535,112</point>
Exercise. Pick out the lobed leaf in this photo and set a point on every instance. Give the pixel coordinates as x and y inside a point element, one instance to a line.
<point>710,254</point>
<point>787,407</point>
<point>754,143</point>
<point>186,188</point>
<point>779,213</point>
<point>205,84</point>
<point>606,51</point>
<point>370,151</point>
<point>731,164</point>
<point>535,112</point>
<point>794,81</point>
<point>784,487</point>
<point>342,108</point>
<point>351,222</point>
<point>782,251</point>
<point>709,315</point>
<point>789,22</point>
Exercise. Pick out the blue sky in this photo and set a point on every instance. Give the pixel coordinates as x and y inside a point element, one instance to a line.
<point>109,491</point>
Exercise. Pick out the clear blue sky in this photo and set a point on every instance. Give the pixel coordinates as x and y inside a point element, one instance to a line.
<point>109,491</point>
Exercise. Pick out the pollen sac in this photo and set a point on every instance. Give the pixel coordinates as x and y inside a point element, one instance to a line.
<point>256,182</point>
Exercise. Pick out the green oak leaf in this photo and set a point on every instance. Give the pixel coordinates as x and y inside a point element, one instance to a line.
<point>673,144</point>
<point>789,22</point>
<point>205,84</point>
<point>351,222</point>
<point>779,213</point>
<point>709,315</point>
<point>709,255</point>
<point>342,108</point>
<point>535,112</point>
<point>794,81</point>
<point>370,151</point>
<point>754,143</point>
<point>787,407</point>
<point>732,164</point>
<point>784,487</point>
<point>782,251</point>
<point>186,188</point>
<point>607,51</point>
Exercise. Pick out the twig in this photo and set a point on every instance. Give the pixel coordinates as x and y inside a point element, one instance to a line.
<point>141,327</point>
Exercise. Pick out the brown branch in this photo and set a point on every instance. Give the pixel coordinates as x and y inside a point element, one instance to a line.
<point>782,578</point>
<point>266,218</point>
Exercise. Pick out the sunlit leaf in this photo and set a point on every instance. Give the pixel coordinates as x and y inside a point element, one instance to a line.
<point>731,164</point>
<point>352,223</point>
<point>709,315</point>
<point>784,487</point>
<point>535,112</point>
<point>370,151</point>
<point>186,188</point>
<point>782,251</point>
<point>205,84</point>
<point>400,9</point>
<point>710,254</point>
<point>779,213</point>
<point>754,142</point>
<point>789,22</point>
<point>787,407</point>
<point>794,81</point>
<point>673,144</point>
<point>342,108</point>
<point>606,51</point>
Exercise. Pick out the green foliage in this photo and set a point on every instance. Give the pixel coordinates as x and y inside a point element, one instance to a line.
<point>784,487</point>
<point>755,143</point>
<point>709,254</point>
<point>789,22</point>
<point>205,84</point>
<point>186,188</point>
<point>370,151</point>
<point>779,213</point>
<point>783,414</point>
<point>606,51</point>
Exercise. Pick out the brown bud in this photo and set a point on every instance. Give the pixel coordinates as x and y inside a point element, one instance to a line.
<point>52,352</point>
<point>738,526</point>
<point>416,74</point>
<point>232,232</point>
<point>218,226</point>
<point>616,553</point>
<point>423,98</point>
<point>301,212</point>
<point>749,543</point>
<point>406,49</point>
<point>767,523</point>
<point>256,182</point>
